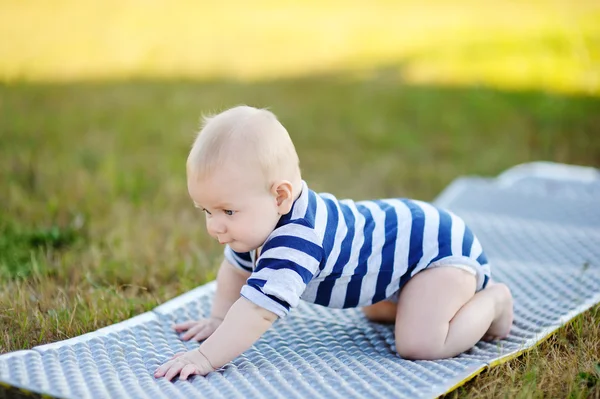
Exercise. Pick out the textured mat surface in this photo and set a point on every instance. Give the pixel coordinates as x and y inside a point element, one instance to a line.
<point>540,230</point>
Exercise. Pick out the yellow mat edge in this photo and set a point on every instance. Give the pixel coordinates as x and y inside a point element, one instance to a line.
<point>13,391</point>
<point>513,355</point>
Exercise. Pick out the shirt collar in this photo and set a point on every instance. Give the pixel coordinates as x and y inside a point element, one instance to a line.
<point>299,206</point>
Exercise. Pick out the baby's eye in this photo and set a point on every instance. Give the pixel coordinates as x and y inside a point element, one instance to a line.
<point>228,212</point>
<point>206,211</point>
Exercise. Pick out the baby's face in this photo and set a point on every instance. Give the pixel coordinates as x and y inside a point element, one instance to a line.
<point>240,210</point>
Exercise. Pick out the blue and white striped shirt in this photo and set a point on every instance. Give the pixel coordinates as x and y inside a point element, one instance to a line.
<point>342,254</point>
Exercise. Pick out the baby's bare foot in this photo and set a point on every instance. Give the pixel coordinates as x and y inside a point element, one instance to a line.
<point>501,325</point>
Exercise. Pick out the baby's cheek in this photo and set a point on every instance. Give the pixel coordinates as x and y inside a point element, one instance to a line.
<point>261,228</point>
<point>248,227</point>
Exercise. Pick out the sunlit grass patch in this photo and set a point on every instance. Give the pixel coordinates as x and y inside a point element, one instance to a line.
<point>549,44</point>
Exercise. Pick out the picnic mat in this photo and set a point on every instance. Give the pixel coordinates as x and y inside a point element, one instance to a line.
<point>539,224</point>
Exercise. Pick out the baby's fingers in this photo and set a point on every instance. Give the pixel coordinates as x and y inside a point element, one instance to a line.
<point>202,335</point>
<point>162,370</point>
<point>188,370</point>
<point>175,369</point>
<point>185,325</point>
<point>193,332</point>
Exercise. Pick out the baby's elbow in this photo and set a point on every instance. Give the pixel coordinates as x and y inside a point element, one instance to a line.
<point>267,315</point>
<point>263,314</point>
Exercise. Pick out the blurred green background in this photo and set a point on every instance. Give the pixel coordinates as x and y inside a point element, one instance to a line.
<point>546,44</point>
<point>100,101</point>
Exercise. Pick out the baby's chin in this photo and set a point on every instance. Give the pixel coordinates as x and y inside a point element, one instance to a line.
<point>240,247</point>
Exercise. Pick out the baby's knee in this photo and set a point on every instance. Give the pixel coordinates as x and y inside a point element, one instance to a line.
<point>503,290</point>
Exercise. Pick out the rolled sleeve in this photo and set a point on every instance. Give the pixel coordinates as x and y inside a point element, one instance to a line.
<point>256,296</point>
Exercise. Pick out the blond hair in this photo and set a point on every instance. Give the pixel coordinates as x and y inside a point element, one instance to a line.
<point>245,134</point>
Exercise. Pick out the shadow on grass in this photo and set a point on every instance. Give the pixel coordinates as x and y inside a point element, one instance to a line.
<point>21,252</point>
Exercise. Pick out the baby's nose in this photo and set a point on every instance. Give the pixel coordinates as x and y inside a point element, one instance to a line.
<point>215,227</point>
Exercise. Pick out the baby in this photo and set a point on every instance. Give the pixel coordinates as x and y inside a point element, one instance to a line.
<point>403,261</point>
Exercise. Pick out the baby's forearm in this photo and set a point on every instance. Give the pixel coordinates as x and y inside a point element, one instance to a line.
<point>229,284</point>
<point>244,324</point>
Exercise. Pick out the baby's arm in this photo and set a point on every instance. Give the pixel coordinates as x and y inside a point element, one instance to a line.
<point>230,281</point>
<point>243,325</point>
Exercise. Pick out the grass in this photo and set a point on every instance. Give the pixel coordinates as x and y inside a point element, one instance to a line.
<point>389,100</point>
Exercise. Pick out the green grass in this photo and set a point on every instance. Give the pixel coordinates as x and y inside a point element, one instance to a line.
<point>20,251</point>
<point>99,103</point>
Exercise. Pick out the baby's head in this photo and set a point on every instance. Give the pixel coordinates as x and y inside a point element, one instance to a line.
<point>243,171</point>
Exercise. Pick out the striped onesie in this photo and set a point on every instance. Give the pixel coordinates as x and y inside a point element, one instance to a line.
<point>343,254</point>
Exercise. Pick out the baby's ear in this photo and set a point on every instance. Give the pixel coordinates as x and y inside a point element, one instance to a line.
<point>284,196</point>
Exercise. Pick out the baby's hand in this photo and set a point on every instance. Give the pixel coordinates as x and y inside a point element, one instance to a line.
<point>198,329</point>
<point>184,364</point>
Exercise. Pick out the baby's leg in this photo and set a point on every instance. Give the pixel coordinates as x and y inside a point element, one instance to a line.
<point>381,312</point>
<point>439,314</point>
